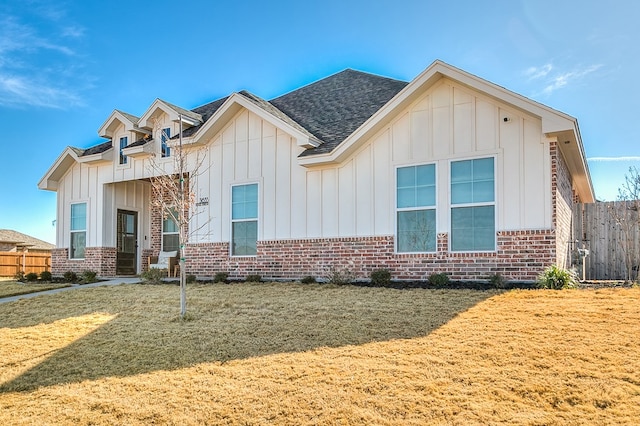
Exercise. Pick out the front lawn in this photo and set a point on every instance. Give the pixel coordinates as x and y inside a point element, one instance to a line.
<point>319,354</point>
<point>13,288</point>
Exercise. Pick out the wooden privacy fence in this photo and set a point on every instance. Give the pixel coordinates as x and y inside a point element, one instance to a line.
<point>13,262</point>
<point>614,248</point>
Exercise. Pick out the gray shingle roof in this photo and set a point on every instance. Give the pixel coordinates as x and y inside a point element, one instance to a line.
<point>328,110</point>
<point>96,149</point>
<point>334,107</point>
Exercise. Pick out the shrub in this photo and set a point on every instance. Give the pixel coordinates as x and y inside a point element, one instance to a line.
<point>89,276</point>
<point>191,279</point>
<point>380,277</point>
<point>497,281</point>
<point>439,280</point>
<point>556,278</point>
<point>221,277</point>
<point>153,275</point>
<point>339,276</point>
<point>70,277</point>
<point>31,276</point>
<point>308,280</point>
<point>254,278</point>
<point>19,276</point>
<point>45,276</point>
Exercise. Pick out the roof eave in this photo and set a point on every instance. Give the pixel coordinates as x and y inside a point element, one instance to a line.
<point>50,180</point>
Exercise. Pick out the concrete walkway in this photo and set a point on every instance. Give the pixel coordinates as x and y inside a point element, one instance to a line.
<point>108,281</point>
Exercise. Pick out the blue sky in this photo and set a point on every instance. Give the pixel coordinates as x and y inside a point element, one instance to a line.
<point>66,65</point>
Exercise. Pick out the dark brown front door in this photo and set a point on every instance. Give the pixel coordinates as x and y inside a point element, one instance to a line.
<point>127,245</point>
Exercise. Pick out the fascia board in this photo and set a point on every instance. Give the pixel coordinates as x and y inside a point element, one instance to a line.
<point>106,156</point>
<point>104,131</point>
<point>159,104</point>
<point>50,180</point>
<point>552,120</point>
<point>230,108</point>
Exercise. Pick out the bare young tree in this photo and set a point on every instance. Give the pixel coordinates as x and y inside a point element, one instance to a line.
<point>174,194</point>
<point>626,214</point>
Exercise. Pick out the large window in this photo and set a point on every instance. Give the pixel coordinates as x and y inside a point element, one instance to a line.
<point>164,142</point>
<point>170,233</point>
<point>78,230</point>
<point>123,144</point>
<point>416,208</point>
<point>244,220</point>
<point>473,205</point>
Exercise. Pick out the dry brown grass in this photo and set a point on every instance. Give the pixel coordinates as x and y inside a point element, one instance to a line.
<point>12,288</point>
<point>295,354</point>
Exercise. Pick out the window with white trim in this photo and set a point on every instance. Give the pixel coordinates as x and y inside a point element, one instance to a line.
<point>473,215</point>
<point>416,209</point>
<point>78,227</point>
<point>164,142</point>
<point>124,141</point>
<point>170,233</point>
<point>244,220</point>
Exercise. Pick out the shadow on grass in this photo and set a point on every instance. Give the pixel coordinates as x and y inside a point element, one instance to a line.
<point>231,322</point>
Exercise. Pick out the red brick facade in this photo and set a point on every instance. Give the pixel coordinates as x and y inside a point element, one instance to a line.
<point>98,259</point>
<point>521,255</point>
<point>563,202</point>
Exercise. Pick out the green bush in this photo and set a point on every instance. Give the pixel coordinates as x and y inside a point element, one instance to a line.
<point>308,280</point>
<point>556,278</point>
<point>31,276</point>
<point>153,276</point>
<point>191,278</point>
<point>221,277</point>
<point>254,278</point>
<point>70,277</point>
<point>89,276</point>
<point>439,280</point>
<point>380,277</point>
<point>45,276</point>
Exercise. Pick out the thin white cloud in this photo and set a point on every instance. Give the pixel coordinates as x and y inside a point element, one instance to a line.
<point>31,64</point>
<point>610,159</point>
<point>554,79</point>
<point>534,73</point>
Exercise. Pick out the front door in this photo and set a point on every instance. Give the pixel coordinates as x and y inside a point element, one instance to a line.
<point>127,245</point>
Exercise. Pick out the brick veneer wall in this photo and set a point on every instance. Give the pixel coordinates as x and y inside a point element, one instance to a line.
<point>99,259</point>
<point>563,201</point>
<point>520,255</point>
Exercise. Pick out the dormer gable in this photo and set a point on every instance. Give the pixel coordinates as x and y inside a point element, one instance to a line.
<point>173,112</point>
<point>119,118</point>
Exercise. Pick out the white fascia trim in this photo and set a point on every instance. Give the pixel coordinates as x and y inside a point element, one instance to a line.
<point>231,107</point>
<point>552,120</point>
<point>106,156</point>
<point>49,181</point>
<point>116,115</point>
<point>173,114</point>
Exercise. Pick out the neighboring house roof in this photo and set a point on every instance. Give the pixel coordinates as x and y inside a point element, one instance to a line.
<point>16,238</point>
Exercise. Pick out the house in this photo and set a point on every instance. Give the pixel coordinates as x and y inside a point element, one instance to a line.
<point>14,241</point>
<point>446,173</point>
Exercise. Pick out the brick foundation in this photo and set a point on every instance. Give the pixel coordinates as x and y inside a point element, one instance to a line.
<point>521,256</point>
<point>99,259</point>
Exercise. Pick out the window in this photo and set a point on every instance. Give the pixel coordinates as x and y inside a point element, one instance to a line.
<point>123,144</point>
<point>244,220</point>
<point>170,233</point>
<point>416,208</point>
<point>78,230</point>
<point>164,146</point>
<point>473,205</point>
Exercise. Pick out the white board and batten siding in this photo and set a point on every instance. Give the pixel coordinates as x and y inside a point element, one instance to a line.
<point>353,198</point>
